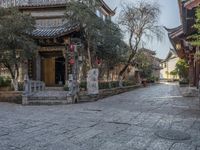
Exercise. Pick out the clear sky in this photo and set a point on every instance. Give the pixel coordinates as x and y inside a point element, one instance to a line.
<point>169,17</point>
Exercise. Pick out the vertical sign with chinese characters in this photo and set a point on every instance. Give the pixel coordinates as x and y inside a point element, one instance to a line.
<point>92,81</point>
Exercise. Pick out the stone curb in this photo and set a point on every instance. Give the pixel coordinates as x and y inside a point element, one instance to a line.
<point>107,93</point>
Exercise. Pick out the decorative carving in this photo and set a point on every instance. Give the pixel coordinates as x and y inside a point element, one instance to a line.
<point>51,49</point>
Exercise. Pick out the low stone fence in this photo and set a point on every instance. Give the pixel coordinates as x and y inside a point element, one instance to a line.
<point>11,97</point>
<point>31,86</point>
<point>84,97</point>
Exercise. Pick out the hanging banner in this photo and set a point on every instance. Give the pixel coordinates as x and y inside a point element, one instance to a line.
<point>92,81</point>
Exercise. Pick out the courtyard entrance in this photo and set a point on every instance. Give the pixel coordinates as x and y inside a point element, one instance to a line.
<point>53,70</point>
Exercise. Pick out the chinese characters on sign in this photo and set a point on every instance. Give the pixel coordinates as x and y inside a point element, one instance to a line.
<point>92,81</point>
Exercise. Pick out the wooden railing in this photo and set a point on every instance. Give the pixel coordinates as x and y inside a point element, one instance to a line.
<point>8,3</point>
<point>31,86</point>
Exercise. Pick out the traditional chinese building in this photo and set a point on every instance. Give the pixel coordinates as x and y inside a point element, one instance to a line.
<point>179,38</point>
<point>51,35</point>
<point>169,65</point>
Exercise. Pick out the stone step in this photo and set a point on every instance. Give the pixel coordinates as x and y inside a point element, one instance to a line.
<point>54,88</point>
<point>50,94</point>
<point>49,102</point>
<point>49,98</point>
<point>46,98</point>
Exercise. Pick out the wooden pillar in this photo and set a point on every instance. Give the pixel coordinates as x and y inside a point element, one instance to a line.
<point>67,43</point>
<point>191,71</point>
<point>38,67</point>
<point>197,69</point>
<point>66,64</point>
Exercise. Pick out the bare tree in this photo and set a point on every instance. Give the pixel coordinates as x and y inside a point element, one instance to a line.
<point>139,20</point>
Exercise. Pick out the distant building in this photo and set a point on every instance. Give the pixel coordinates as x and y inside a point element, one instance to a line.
<point>169,65</point>
<point>155,62</point>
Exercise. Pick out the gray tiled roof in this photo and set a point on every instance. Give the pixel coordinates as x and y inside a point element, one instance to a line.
<point>51,32</point>
<point>175,31</point>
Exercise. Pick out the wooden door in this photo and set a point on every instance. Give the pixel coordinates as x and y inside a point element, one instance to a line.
<point>49,71</point>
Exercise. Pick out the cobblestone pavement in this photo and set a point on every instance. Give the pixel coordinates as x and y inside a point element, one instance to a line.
<point>126,121</point>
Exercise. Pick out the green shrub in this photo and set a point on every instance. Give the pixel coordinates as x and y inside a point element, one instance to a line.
<point>5,81</point>
<point>21,86</point>
<point>1,81</point>
<point>114,84</point>
<point>128,83</point>
<point>66,88</point>
<point>156,78</point>
<point>83,85</point>
<point>184,81</point>
<point>104,85</point>
<point>182,68</point>
<point>152,79</point>
<point>108,85</point>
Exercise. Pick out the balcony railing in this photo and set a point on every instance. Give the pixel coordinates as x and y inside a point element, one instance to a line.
<point>8,3</point>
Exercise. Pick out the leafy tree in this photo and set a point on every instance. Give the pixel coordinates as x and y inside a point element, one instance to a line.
<point>195,38</point>
<point>174,73</point>
<point>15,44</point>
<point>140,20</point>
<point>112,50</point>
<point>144,64</point>
<point>83,13</point>
<point>101,38</point>
<point>182,68</point>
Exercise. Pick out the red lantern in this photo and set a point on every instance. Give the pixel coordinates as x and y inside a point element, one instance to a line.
<point>71,61</point>
<point>98,61</point>
<point>71,48</point>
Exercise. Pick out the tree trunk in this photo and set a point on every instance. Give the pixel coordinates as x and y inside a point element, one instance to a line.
<point>121,73</point>
<point>14,75</point>
<point>15,84</point>
<point>108,74</point>
<point>89,55</point>
<point>124,69</point>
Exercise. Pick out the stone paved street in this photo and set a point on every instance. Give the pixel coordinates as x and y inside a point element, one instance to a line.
<point>127,121</point>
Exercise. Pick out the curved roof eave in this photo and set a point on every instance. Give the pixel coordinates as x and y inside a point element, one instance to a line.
<point>191,4</point>
<point>175,32</point>
<point>110,11</point>
<point>54,32</point>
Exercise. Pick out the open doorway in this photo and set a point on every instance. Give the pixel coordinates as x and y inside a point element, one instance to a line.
<point>60,71</point>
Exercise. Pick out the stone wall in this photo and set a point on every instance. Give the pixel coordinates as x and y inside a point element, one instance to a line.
<point>11,97</point>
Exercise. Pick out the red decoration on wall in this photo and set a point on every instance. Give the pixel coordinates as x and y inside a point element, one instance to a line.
<point>71,48</point>
<point>71,61</point>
